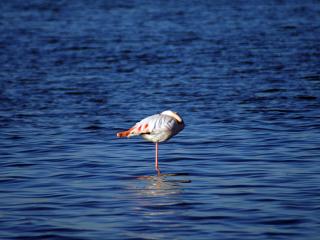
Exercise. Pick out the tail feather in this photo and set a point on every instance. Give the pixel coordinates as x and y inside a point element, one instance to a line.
<point>124,133</point>
<point>135,131</point>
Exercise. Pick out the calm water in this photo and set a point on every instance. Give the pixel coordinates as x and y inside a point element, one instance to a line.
<point>245,76</point>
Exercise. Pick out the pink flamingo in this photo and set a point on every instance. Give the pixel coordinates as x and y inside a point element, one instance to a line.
<point>156,128</point>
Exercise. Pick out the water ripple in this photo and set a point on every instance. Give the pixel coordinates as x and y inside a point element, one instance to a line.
<point>244,76</point>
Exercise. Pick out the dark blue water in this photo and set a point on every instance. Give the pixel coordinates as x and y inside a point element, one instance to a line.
<point>244,75</point>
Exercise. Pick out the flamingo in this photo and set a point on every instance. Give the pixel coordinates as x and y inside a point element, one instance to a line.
<point>156,128</point>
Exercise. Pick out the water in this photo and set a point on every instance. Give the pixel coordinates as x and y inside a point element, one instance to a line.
<point>243,74</point>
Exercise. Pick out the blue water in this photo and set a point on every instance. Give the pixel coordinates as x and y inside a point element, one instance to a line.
<point>244,75</point>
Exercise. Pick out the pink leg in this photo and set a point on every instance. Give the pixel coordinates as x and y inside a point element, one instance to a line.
<point>157,165</point>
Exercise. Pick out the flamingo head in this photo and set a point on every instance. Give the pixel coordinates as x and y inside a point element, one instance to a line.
<point>174,115</point>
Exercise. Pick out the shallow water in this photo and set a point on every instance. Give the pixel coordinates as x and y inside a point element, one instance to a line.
<point>245,77</point>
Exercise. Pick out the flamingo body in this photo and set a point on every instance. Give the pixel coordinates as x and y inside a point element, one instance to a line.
<point>156,128</point>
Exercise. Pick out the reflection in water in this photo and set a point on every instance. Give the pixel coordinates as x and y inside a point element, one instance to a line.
<point>163,185</point>
<point>159,199</point>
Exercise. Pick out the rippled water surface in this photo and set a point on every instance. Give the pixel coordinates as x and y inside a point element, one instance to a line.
<point>245,76</point>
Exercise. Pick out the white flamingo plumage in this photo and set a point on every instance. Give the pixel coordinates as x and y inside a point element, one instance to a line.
<point>156,128</point>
